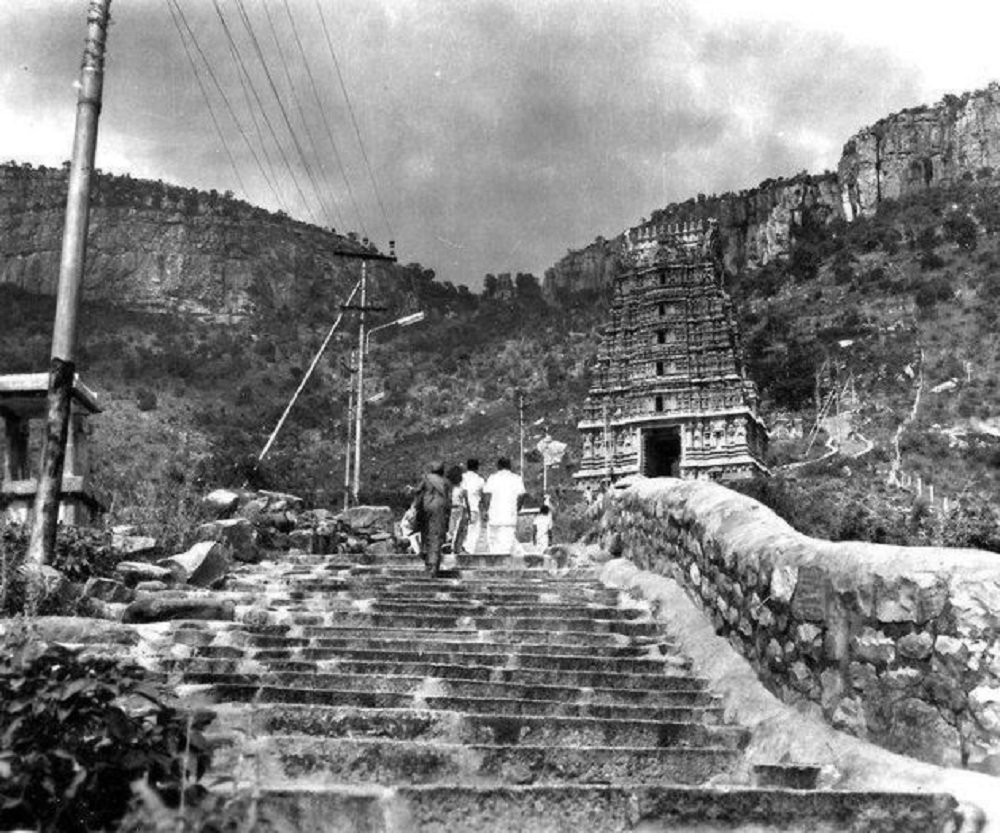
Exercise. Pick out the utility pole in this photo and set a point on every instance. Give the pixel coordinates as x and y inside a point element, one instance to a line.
<point>520,427</point>
<point>348,447</point>
<point>62,367</point>
<point>360,407</point>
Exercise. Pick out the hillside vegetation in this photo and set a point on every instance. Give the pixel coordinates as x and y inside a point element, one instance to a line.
<point>895,311</point>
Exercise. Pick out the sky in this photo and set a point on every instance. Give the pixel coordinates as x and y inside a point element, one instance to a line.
<point>498,134</point>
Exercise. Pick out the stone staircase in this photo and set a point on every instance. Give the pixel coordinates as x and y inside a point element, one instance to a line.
<point>504,697</point>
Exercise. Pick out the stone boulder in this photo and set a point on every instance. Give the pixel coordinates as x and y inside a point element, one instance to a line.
<point>133,572</point>
<point>107,590</point>
<point>368,518</point>
<point>253,509</point>
<point>301,539</point>
<point>221,502</point>
<point>133,546</point>
<point>74,630</point>
<point>281,502</point>
<point>206,563</point>
<point>161,609</point>
<point>236,533</point>
<point>385,546</point>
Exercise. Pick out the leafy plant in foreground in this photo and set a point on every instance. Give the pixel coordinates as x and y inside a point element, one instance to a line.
<point>76,732</point>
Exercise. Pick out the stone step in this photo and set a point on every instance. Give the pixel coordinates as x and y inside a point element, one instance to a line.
<point>513,575</point>
<point>456,608</point>
<point>333,698</point>
<point>444,642</point>
<point>298,614</point>
<point>291,687</point>
<point>471,607</point>
<point>283,760</point>
<point>527,638</point>
<point>318,589</point>
<point>502,659</point>
<point>482,728</point>
<point>393,586</point>
<point>572,808</point>
<point>484,621</point>
<point>314,674</point>
<point>404,591</point>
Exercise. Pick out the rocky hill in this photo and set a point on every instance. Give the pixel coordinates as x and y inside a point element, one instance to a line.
<point>896,297</point>
<point>756,227</point>
<point>162,248</point>
<point>956,140</point>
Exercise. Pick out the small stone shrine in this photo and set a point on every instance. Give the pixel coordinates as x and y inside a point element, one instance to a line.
<point>669,395</point>
<point>23,400</point>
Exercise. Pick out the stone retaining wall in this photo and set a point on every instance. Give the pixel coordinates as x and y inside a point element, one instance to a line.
<point>894,644</point>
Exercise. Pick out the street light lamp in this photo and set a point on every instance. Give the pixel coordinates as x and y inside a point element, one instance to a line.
<point>405,321</point>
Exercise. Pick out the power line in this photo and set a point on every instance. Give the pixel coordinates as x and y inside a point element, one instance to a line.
<point>225,99</point>
<point>204,92</point>
<point>277,98</point>
<point>302,115</point>
<point>256,125</point>
<point>354,121</point>
<point>263,110</point>
<point>247,81</point>
<point>326,122</point>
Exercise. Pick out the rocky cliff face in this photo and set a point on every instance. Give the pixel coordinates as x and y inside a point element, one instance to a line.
<point>959,138</point>
<point>755,227</point>
<point>921,147</point>
<point>162,248</point>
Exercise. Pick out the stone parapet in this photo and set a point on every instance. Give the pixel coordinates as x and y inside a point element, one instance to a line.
<point>897,645</point>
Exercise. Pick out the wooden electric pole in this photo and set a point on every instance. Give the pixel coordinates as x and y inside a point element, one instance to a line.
<point>62,368</point>
<point>359,407</point>
<point>520,429</point>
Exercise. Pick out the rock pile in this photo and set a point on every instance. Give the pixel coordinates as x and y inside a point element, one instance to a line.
<point>248,526</point>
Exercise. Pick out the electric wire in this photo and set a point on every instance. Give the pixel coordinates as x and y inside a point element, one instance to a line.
<point>307,207</point>
<point>256,124</point>
<point>245,74</point>
<point>204,92</point>
<point>354,121</point>
<point>232,112</point>
<point>326,121</point>
<point>302,115</point>
<point>277,97</point>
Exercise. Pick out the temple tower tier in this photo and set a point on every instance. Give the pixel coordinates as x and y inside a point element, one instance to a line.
<point>670,395</point>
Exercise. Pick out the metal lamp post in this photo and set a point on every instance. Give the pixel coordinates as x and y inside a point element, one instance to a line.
<point>405,321</point>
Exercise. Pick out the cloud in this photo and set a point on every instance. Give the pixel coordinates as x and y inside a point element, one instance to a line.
<point>500,132</point>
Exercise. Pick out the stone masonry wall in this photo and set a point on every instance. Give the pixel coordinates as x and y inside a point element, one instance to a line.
<point>898,645</point>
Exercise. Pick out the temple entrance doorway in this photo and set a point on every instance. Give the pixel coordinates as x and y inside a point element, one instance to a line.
<point>662,452</point>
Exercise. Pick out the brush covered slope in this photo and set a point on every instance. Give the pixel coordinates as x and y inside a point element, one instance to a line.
<point>893,310</point>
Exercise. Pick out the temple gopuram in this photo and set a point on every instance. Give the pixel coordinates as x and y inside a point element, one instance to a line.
<point>669,395</point>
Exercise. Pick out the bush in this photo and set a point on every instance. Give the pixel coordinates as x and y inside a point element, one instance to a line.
<point>931,260</point>
<point>935,289</point>
<point>80,553</point>
<point>961,230</point>
<point>75,733</point>
<point>146,400</point>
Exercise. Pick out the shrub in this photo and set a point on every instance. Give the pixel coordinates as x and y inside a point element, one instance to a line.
<point>146,400</point>
<point>961,230</point>
<point>80,553</point>
<point>935,289</point>
<point>75,733</point>
<point>973,523</point>
<point>931,260</point>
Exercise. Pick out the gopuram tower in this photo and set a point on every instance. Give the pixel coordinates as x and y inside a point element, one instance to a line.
<point>669,395</point>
